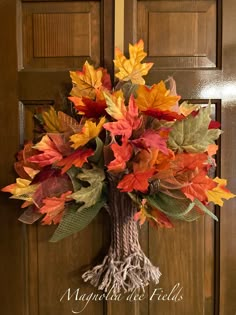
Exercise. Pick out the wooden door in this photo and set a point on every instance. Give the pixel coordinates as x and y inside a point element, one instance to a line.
<point>40,42</point>
<point>193,41</point>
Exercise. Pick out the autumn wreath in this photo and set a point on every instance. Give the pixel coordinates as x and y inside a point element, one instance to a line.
<point>132,149</point>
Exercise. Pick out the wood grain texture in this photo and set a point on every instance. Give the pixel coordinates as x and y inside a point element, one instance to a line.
<point>61,35</point>
<point>192,32</point>
<point>11,237</point>
<point>35,272</point>
<point>198,266</point>
<point>180,255</point>
<point>228,213</point>
<point>130,34</point>
<point>107,35</point>
<point>179,34</point>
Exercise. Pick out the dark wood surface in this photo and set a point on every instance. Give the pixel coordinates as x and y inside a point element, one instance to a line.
<point>11,267</point>
<point>202,255</point>
<point>34,72</point>
<point>184,39</point>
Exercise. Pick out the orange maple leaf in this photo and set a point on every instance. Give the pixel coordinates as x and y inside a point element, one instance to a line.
<point>132,69</point>
<point>196,185</point>
<point>138,180</point>
<point>153,215</point>
<point>142,214</point>
<point>212,149</point>
<point>162,160</point>
<point>189,161</point>
<point>54,208</point>
<point>157,98</point>
<point>77,158</point>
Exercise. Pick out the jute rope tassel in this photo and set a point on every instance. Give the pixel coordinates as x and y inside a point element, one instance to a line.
<point>126,267</point>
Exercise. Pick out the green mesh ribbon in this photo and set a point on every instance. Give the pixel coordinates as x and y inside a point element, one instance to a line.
<point>75,220</point>
<point>180,208</point>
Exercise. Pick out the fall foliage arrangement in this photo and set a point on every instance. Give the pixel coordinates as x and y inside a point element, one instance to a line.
<point>133,149</point>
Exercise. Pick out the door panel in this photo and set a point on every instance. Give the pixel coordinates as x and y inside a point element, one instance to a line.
<point>61,34</point>
<point>52,38</point>
<point>179,34</point>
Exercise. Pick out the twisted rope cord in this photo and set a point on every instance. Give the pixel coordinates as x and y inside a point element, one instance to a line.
<point>125,267</point>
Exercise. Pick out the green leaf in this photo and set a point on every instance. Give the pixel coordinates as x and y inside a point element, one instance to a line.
<point>91,194</point>
<point>97,158</point>
<point>72,173</point>
<point>128,89</point>
<point>92,176</point>
<point>192,134</point>
<point>88,195</point>
<point>74,221</point>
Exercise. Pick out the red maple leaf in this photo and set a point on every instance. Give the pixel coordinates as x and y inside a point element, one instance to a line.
<point>48,152</point>
<point>88,107</point>
<point>214,125</point>
<point>122,154</point>
<point>189,161</point>
<point>77,158</point>
<point>151,139</point>
<point>165,115</point>
<point>125,126</point>
<point>121,127</point>
<point>106,79</point>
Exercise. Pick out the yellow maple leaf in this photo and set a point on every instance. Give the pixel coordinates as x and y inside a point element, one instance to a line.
<point>89,131</point>
<point>187,108</point>
<point>21,189</point>
<point>220,191</point>
<point>132,69</point>
<point>86,82</point>
<point>155,98</point>
<point>51,121</point>
<point>115,106</point>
